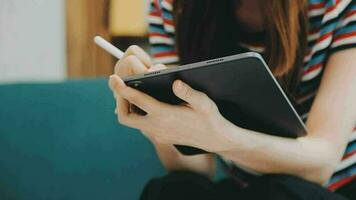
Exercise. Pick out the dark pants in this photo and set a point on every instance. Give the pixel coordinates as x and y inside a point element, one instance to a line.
<point>189,186</point>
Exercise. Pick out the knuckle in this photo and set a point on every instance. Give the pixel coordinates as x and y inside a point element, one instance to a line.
<point>131,59</point>
<point>133,49</point>
<point>122,67</point>
<point>207,106</point>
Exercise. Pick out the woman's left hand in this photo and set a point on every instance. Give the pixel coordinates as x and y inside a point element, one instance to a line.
<point>195,123</point>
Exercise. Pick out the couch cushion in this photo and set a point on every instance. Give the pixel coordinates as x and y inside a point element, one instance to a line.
<point>62,141</point>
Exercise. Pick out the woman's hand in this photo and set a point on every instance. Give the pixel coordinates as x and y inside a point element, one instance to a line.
<point>196,123</point>
<point>135,61</point>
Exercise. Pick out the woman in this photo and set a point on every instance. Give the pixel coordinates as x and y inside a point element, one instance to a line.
<point>310,48</point>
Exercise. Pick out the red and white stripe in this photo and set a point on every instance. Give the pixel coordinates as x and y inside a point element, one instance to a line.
<point>155,19</point>
<point>323,42</point>
<point>313,36</point>
<point>316,9</point>
<point>312,72</point>
<point>351,159</point>
<point>342,182</point>
<point>350,17</point>
<point>167,5</point>
<point>348,38</point>
<point>165,57</point>
<point>334,11</point>
<point>159,38</point>
<point>169,27</point>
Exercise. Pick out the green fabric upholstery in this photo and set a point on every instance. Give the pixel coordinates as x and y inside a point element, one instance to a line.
<point>62,141</point>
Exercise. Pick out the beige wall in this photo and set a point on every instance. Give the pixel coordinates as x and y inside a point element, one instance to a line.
<point>32,40</point>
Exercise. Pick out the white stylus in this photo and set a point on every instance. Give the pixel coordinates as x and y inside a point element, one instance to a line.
<point>108,47</point>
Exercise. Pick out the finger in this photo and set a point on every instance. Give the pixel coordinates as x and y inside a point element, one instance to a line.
<point>140,99</point>
<point>140,54</point>
<point>122,106</point>
<point>194,98</point>
<point>111,86</point>
<point>129,66</point>
<point>126,117</point>
<point>132,120</point>
<point>156,68</point>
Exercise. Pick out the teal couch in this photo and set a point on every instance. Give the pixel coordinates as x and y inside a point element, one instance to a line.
<point>61,141</point>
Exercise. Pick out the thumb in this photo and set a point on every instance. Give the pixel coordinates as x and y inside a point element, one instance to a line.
<point>193,97</point>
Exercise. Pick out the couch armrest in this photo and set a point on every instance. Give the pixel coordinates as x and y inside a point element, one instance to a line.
<point>62,141</point>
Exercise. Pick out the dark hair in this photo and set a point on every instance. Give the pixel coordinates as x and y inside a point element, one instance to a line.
<point>206,29</point>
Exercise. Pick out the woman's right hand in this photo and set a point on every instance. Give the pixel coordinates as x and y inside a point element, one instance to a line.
<point>135,61</point>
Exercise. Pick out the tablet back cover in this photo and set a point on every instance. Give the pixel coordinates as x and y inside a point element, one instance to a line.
<point>243,89</point>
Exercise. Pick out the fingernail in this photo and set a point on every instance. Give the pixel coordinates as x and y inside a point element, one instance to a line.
<point>111,82</point>
<point>116,81</point>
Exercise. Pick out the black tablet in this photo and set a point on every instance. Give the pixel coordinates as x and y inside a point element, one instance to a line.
<point>242,86</point>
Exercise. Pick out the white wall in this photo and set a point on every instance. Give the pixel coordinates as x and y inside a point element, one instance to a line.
<point>32,40</point>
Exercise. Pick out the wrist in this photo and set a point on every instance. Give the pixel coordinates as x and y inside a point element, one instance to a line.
<point>225,132</point>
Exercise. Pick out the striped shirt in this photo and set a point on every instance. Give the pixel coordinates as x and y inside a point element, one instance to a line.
<point>332,27</point>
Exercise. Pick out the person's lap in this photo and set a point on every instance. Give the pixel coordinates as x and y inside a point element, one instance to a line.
<point>189,185</point>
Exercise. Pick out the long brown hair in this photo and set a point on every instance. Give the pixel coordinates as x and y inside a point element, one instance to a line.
<point>207,29</point>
